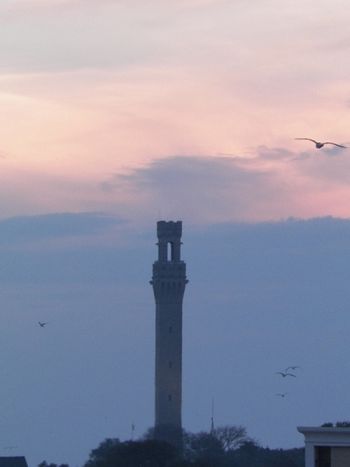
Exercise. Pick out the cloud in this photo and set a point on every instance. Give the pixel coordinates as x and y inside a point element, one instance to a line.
<point>61,36</point>
<point>62,247</point>
<point>270,183</point>
<point>198,188</point>
<point>25,230</point>
<point>64,35</point>
<point>328,168</point>
<point>80,34</point>
<point>202,188</point>
<point>266,184</point>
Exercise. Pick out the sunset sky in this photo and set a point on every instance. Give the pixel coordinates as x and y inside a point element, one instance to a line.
<point>117,113</point>
<point>198,91</point>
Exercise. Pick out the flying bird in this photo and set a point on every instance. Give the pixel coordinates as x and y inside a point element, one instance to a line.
<point>281,394</point>
<point>291,368</point>
<point>319,144</point>
<point>284,374</point>
<point>42,325</point>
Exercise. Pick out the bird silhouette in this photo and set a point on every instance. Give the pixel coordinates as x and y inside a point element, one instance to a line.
<point>41,324</point>
<point>281,394</point>
<point>319,144</point>
<point>284,374</point>
<point>291,368</point>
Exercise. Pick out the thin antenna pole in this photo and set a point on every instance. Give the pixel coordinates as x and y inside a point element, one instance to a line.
<point>212,426</point>
<point>132,431</point>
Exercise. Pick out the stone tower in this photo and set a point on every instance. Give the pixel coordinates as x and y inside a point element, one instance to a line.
<point>168,281</point>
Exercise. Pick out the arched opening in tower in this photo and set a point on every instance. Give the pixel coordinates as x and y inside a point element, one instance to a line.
<point>170,251</point>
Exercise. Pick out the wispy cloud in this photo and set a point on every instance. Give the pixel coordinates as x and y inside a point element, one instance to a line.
<point>274,184</point>
<point>205,188</point>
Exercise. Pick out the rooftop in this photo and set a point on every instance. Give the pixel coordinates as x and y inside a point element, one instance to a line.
<point>18,461</point>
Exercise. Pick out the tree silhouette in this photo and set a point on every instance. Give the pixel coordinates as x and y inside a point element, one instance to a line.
<point>202,447</point>
<point>227,446</point>
<point>231,436</point>
<point>148,453</point>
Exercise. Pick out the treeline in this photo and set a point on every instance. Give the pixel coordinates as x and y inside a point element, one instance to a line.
<point>227,446</point>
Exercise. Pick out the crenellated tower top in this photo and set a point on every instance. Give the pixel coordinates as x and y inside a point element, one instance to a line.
<point>169,240</point>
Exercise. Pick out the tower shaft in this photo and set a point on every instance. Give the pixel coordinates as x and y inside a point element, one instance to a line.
<point>168,281</point>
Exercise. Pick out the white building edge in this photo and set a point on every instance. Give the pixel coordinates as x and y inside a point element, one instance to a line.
<point>326,446</point>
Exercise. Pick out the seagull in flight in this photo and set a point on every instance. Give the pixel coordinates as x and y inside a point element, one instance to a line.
<point>291,368</point>
<point>41,324</point>
<point>284,374</point>
<point>320,145</point>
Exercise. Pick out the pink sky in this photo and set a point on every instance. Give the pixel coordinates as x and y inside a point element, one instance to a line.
<point>91,90</point>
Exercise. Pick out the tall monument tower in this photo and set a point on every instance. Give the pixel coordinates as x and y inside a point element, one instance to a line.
<point>168,281</point>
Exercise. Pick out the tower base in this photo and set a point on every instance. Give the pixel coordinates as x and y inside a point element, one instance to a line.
<point>169,434</point>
